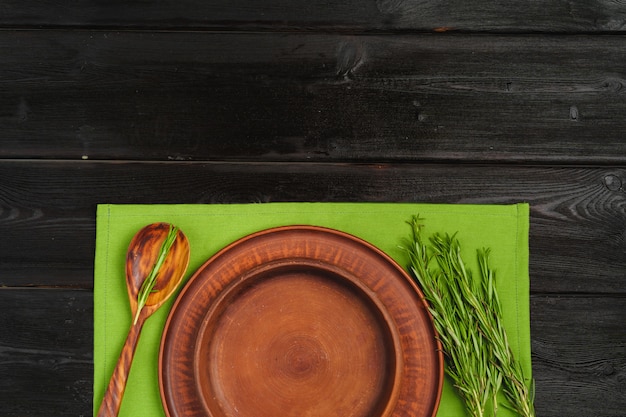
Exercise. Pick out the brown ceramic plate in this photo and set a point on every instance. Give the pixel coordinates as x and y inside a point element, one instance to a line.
<point>300,321</point>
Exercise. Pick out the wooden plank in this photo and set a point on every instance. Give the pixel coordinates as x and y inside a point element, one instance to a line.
<point>579,355</point>
<point>46,347</point>
<point>46,352</point>
<point>320,97</point>
<point>385,15</point>
<point>48,208</point>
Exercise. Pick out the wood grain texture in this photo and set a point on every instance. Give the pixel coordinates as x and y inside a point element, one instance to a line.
<point>312,97</point>
<point>577,241</point>
<point>190,101</point>
<point>46,359</point>
<point>579,355</point>
<point>46,347</point>
<point>114,394</point>
<point>384,15</point>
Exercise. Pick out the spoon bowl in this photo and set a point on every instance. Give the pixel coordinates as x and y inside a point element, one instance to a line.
<point>142,254</point>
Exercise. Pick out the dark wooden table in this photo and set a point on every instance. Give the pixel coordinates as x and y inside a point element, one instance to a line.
<point>187,101</point>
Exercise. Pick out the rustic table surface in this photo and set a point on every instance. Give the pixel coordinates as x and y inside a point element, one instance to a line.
<point>188,101</point>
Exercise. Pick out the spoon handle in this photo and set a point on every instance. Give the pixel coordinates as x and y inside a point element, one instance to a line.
<point>112,400</point>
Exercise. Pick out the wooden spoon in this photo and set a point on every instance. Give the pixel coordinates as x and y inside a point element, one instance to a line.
<point>143,252</point>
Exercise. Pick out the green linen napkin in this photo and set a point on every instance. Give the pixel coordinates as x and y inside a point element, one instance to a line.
<point>503,228</point>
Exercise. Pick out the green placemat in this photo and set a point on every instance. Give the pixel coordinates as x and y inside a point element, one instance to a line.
<point>209,228</point>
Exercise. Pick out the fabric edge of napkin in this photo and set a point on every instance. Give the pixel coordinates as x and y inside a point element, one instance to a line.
<point>523,290</point>
<point>103,212</point>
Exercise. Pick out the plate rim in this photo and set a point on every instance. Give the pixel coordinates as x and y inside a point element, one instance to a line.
<point>364,244</point>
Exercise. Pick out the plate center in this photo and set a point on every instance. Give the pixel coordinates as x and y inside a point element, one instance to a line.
<point>298,358</point>
<point>295,340</point>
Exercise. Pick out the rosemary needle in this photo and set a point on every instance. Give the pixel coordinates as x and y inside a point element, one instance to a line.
<point>147,287</point>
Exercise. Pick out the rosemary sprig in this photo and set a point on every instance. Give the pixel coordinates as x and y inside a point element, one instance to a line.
<point>469,361</point>
<point>467,316</point>
<point>147,287</point>
<point>517,392</point>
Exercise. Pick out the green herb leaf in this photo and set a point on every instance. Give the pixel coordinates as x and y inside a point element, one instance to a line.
<point>467,316</point>
<point>147,287</point>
